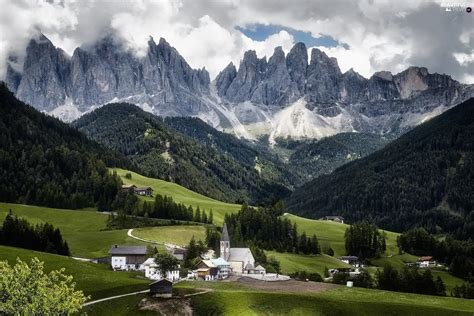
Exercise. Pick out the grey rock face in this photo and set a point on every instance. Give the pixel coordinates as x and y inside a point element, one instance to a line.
<point>45,73</point>
<point>323,78</point>
<point>106,71</point>
<point>297,62</point>
<point>225,78</point>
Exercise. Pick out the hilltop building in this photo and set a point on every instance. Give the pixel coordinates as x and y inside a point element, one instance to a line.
<point>240,260</point>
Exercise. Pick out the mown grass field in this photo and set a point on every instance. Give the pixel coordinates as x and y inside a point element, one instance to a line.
<point>180,194</point>
<point>239,300</point>
<point>290,262</point>
<point>178,235</point>
<point>83,229</point>
<point>96,280</point>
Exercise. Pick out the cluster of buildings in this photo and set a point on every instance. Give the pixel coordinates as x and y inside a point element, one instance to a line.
<point>424,262</point>
<point>337,219</point>
<point>235,261</point>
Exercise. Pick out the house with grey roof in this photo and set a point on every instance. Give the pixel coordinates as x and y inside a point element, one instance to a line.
<point>127,257</point>
<point>240,260</point>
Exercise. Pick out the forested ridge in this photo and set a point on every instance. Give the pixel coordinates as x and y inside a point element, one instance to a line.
<point>425,178</point>
<point>46,162</point>
<point>162,152</point>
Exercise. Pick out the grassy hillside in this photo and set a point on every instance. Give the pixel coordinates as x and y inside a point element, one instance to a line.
<point>83,229</point>
<point>291,262</point>
<point>239,299</point>
<point>180,194</point>
<point>96,280</point>
<point>332,234</point>
<point>178,235</point>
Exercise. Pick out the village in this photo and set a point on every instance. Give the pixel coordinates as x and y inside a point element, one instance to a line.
<point>231,264</point>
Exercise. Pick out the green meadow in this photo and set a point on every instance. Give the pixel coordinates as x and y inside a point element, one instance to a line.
<point>290,262</point>
<point>331,234</point>
<point>178,235</point>
<point>84,230</point>
<point>238,299</point>
<point>180,194</point>
<point>96,280</point>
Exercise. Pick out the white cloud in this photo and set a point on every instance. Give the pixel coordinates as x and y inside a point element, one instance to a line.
<point>381,35</point>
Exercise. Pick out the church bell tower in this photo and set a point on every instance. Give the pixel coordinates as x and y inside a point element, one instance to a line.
<point>225,243</point>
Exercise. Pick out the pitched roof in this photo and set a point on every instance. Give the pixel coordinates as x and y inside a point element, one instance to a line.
<point>150,262</point>
<point>259,268</point>
<point>128,186</point>
<point>143,189</point>
<point>208,263</point>
<point>127,250</point>
<point>239,254</point>
<point>219,262</point>
<point>425,258</point>
<point>162,281</point>
<point>225,233</point>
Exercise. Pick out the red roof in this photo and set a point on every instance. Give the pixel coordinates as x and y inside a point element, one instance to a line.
<point>425,258</point>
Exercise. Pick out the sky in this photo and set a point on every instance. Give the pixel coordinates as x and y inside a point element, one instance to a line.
<point>366,35</point>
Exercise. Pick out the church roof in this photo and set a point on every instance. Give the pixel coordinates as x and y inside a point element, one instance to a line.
<point>225,233</point>
<point>239,254</point>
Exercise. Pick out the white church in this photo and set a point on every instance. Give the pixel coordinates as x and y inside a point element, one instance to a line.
<point>241,260</point>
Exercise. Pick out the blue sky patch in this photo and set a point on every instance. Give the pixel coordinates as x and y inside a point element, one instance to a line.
<point>259,32</point>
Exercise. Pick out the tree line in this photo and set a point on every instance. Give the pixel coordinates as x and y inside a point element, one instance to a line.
<point>164,207</point>
<point>364,240</point>
<point>18,232</point>
<point>457,254</point>
<point>265,228</point>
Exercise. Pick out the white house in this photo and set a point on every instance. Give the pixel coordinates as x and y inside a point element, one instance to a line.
<point>223,268</point>
<point>152,272</point>
<point>426,262</point>
<point>127,257</point>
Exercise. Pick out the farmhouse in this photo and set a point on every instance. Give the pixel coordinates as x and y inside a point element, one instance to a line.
<point>426,261</point>
<point>144,191</point>
<point>152,272</point>
<point>240,260</point>
<point>207,270</point>
<point>162,288</point>
<point>353,260</point>
<point>147,191</point>
<point>337,219</point>
<point>127,257</point>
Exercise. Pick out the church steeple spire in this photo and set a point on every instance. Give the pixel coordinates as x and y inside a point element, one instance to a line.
<point>225,243</point>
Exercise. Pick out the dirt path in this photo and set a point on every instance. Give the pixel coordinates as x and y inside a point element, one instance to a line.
<point>167,245</point>
<point>113,297</point>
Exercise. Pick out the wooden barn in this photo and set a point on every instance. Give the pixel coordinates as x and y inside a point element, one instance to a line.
<point>161,288</point>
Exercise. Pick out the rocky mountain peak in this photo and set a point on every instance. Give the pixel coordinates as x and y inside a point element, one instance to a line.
<point>225,78</point>
<point>385,75</point>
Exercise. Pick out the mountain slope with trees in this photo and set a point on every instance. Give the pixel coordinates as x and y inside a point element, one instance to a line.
<point>425,178</point>
<point>46,162</point>
<point>162,152</point>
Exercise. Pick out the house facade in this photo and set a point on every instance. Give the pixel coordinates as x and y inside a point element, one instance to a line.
<point>153,273</point>
<point>426,262</point>
<point>127,257</point>
<point>144,191</point>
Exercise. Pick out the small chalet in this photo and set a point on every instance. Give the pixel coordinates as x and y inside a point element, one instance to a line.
<point>144,191</point>
<point>152,272</point>
<point>426,262</point>
<point>353,260</point>
<point>161,288</point>
<point>206,270</point>
<point>127,257</point>
<point>337,219</point>
<point>147,191</point>
<point>223,268</point>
